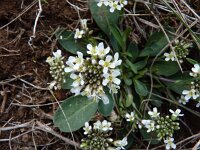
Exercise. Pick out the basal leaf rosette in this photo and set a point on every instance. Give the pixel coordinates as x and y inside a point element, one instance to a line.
<point>94,73</point>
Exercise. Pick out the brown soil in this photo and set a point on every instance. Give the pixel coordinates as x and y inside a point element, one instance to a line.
<point>22,66</point>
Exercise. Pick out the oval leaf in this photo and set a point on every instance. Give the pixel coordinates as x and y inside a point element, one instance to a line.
<point>133,51</point>
<point>166,68</point>
<point>68,82</point>
<point>103,17</point>
<point>77,110</point>
<point>140,88</point>
<point>128,97</point>
<point>182,82</point>
<point>106,109</point>
<point>155,44</point>
<point>69,43</point>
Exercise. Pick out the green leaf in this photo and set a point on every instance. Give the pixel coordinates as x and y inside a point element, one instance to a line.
<point>133,51</point>
<point>152,138</point>
<point>114,43</point>
<point>69,43</point>
<point>77,110</point>
<point>128,81</point>
<point>131,65</point>
<point>182,82</point>
<point>192,61</point>
<point>106,109</point>
<point>128,96</point>
<point>68,82</point>
<point>103,17</point>
<point>156,101</point>
<point>126,34</point>
<point>135,67</point>
<point>166,68</point>
<point>155,44</point>
<point>140,64</point>
<point>178,87</point>
<point>118,36</point>
<point>140,88</point>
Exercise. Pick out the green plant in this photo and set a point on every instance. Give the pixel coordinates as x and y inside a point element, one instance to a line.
<point>121,76</point>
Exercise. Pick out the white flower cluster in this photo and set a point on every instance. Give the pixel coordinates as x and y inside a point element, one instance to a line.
<point>180,50</point>
<point>163,126</point>
<point>92,74</point>
<point>194,91</point>
<point>56,69</point>
<point>98,137</point>
<point>113,4</point>
<point>80,32</point>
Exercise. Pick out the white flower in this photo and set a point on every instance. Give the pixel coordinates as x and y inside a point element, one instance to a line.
<point>53,85</point>
<point>149,124</point>
<point>106,64</point>
<point>154,113</point>
<point>190,94</point>
<point>100,3</point>
<point>111,77</point>
<point>182,100</point>
<point>103,126</point>
<point>116,61</point>
<point>97,125</point>
<point>170,143</point>
<point>176,113</point>
<point>76,90</point>
<point>86,91</point>
<point>92,49</point>
<point>198,104</point>
<point>70,67</point>
<point>130,117</point>
<point>169,56</point>
<point>146,122</point>
<point>101,51</point>
<point>78,34</point>
<point>57,54</point>
<point>139,124</point>
<point>106,126</point>
<point>107,2</point>
<point>195,70</point>
<point>121,143</point>
<point>87,128</point>
<point>84,24</point>
<point>50,60</point>
<point>78,79</point>
<point>114,88</point>
<point>115,5</point>
<point>74,63</point>
<point>79,60</point>
<point>104,98</point>
<point>123,2</point>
